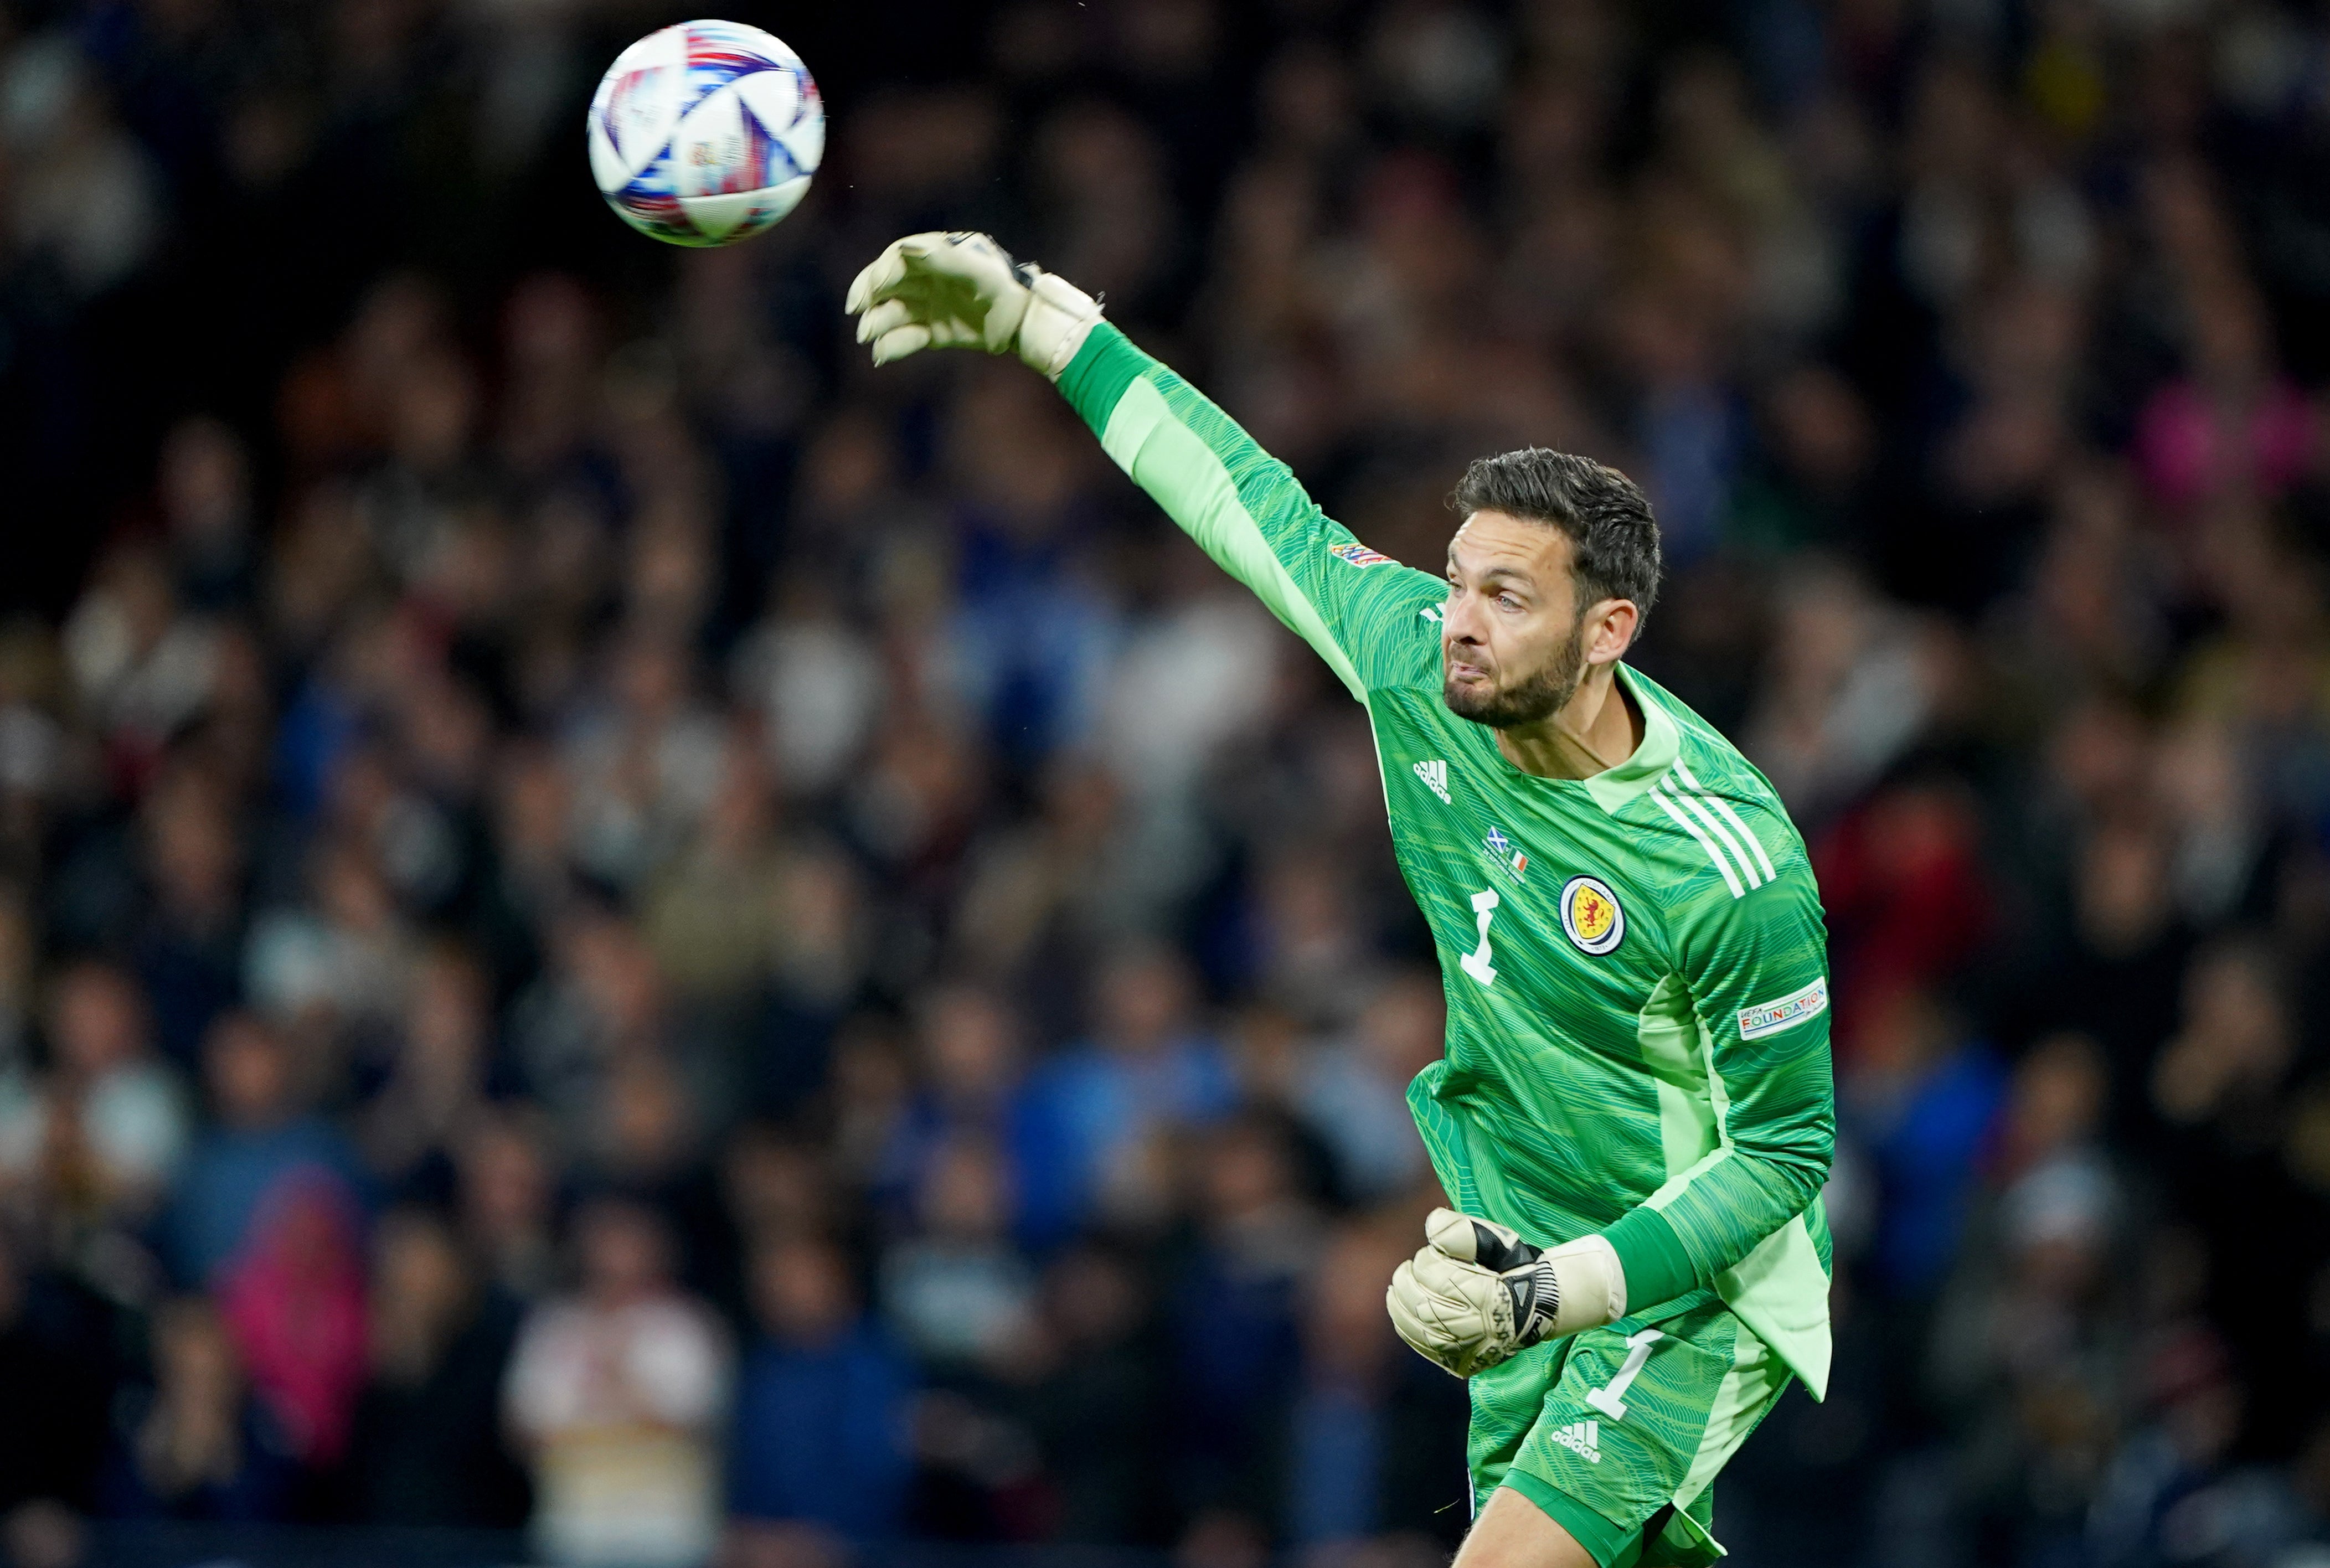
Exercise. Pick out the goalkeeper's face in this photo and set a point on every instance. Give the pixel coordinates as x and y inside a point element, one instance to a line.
<point>1515,643</point>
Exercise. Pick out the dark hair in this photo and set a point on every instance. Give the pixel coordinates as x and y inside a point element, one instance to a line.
<point>1613,537</point>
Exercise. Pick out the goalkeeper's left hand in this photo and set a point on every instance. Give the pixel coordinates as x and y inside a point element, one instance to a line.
<point>963,290</point>
<point>1475,1293</point>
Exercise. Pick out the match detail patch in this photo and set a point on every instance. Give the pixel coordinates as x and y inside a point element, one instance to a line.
<point>1771,1017</point>
<point>1509,856</point>
<point>1590,915</point>
<point>1358,555</point>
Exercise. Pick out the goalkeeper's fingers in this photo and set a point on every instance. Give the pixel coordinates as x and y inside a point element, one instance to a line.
<point>1438,1322</point>
<point>886,272</point>
<point>1473,1240</point>
<point>1450,1278</point>
<point>913,337</point>
<point>1427,1336</point>
<point>884,320</point>
<point>899,341</point>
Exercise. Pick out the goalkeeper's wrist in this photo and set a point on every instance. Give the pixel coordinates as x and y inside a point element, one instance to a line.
<point>1589,1286</point>
<point>1058,317</point>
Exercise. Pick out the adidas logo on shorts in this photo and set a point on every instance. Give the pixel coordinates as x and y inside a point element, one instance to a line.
<point>1583,1438</point>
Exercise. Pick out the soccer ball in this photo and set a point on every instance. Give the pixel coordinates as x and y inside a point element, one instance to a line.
<point>705,133</point>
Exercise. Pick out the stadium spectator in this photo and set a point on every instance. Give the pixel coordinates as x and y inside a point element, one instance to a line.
<point>435,1083</point>
<point>958,1294</point>
<point>57,1365</point>
<point>427,1444</point>
<point>615,1395</point>
<point>1353,1093</point>
<point>822,1405</point>
<point>189,952</point>
<point>1148,1073</point>
<point>292,1299</point>
<point>262,1140</point>
<point>107,1129</point>
<point>1232,1316</point>
<point>504,1203</point>
<point>197,1444</point>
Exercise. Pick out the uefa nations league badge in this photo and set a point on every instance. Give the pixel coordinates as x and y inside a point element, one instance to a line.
<point>1590,915</point>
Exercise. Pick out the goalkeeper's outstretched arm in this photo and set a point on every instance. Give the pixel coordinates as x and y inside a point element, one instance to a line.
<point>1242,505</point>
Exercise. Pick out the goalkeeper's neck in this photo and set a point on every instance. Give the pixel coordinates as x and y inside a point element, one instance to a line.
<point>1598,728</point>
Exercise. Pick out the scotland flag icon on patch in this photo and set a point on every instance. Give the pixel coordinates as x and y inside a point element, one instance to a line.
<point>1510,860</point>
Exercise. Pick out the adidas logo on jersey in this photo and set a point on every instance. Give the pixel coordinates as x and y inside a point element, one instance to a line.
<point>1583,1438</point>
<point>1434,775</point>
<point>1733,847</point>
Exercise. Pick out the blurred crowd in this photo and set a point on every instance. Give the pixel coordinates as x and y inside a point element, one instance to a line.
<point>613,924</point>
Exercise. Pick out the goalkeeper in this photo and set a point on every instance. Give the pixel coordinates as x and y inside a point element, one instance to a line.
<point>1635,1113</point>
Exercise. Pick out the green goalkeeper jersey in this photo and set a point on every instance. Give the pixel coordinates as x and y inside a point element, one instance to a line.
<point>1634,963</point>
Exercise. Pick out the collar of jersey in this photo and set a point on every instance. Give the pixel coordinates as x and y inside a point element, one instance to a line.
<point>1614,786</point>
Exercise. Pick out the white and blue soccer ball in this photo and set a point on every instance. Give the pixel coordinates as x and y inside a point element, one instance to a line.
<point>705,133</point>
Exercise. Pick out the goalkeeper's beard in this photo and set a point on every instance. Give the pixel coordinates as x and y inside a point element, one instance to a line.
<point>1535,699</point>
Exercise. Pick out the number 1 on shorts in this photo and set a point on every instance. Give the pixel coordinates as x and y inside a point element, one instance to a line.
<point>1612,1401</point>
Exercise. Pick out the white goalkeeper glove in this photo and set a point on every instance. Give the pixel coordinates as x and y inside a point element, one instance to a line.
<point>1475,1292</point>
<point>962,290</point>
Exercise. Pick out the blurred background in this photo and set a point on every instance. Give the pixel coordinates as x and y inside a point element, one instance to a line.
<point>623,942</point>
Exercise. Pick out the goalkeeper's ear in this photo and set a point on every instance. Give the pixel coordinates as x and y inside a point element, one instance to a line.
<point>1609,627</point>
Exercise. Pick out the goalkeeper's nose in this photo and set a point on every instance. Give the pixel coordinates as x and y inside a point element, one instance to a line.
<point>1464,625</point>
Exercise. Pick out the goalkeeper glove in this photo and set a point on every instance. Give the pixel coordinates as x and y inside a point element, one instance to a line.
<point>959,291</point>
<point>1475,1293</point>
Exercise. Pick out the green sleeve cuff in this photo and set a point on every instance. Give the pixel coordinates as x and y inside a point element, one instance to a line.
<point>1605,1543</point>
<point>1104,367</point>
<point>1657,1268</point>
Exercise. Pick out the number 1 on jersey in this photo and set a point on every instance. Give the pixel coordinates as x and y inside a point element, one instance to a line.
<point>1476,962</point>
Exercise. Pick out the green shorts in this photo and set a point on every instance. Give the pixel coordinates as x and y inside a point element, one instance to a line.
<point>1607,1430</point>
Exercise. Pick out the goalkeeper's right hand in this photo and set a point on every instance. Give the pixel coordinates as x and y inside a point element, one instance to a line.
<point>1475,1293</point>
<point>963,290</point>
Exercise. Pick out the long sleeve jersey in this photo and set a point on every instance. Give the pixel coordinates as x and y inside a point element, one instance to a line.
<point>1634,963</point>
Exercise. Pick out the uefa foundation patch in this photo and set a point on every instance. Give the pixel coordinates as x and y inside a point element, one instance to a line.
<point>1590,915</point>
<point>1771,1017</point>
